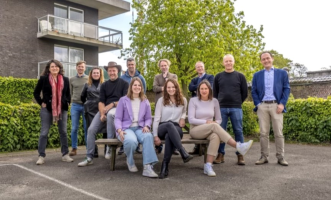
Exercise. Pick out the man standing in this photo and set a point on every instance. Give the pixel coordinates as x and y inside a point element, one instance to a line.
<point>110,93</point>
<point>270,92</point>
<point>77,108</point>
<point>129,74</point>
<point>160,79</point>
<point>133,72</point>
<point>200,69</point>
<point>230,88</point>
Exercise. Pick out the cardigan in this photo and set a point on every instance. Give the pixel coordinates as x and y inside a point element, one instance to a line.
<point>45,88</point>
<point>124,114</point>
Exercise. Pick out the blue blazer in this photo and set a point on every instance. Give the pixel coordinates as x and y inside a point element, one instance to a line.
<point>281,87</point>
<point>193,86</point>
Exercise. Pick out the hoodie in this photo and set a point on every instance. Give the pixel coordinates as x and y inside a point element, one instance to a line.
<point>128,78</point>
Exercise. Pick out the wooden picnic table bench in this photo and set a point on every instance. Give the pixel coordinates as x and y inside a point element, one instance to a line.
<point>114,143</point>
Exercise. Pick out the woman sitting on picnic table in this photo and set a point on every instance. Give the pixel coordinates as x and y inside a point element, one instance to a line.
<point>170,114</point>
<point>201,112</point>
<point>133,121</point>
<point>90,98</point>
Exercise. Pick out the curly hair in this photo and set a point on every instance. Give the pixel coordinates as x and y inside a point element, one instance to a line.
<point>178,94</point>
<point>48,65</point>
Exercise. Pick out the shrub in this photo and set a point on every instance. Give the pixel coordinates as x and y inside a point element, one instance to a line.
<point>20,128</point>
<point>16,90</point>
<point>308,120</point>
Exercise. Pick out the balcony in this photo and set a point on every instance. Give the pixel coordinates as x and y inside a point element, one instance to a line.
<point>58,28</point>
<point>106,8</point>
<point>70,69</point>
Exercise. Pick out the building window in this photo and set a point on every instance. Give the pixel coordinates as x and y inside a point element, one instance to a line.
<point>68,54</point>
<point>68,12</point>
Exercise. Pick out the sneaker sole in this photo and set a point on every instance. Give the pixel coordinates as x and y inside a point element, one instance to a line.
<point>85,165</point>
<point>265,162</point>
<point>211,175</point>
<point>155,176</point>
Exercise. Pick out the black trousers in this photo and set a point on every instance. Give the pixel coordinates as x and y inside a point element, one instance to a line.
<point>172,134</point>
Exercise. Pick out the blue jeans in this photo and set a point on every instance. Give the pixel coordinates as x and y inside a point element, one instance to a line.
<point>236,117</point>
<point>132,137</point>
<point>77,110</point>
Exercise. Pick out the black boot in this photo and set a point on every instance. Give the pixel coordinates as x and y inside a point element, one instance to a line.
<point>164,170</point>
<point>185,156</point>
<point>96,153</point>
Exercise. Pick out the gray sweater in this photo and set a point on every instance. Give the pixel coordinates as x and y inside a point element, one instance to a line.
<point>200,111</point>
<point>76,88</point>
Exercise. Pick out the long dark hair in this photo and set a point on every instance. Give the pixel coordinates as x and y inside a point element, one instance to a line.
<point>178,95</point>
<point>48,65</point>
<point>210,95</point>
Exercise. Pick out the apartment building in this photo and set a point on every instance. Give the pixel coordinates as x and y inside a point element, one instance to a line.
<point>33,32</point>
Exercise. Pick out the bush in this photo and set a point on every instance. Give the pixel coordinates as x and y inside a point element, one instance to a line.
<point>308,120</point>
<point>16,90</point>
<point>20,128</point>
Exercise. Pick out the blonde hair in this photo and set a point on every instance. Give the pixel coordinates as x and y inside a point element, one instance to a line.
<point>80,62</point>
<point>164,60</point>
<point>90,79</point>
<point>130,92</point>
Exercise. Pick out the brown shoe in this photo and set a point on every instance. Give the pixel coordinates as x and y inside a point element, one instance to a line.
<point>282,162</point>
<point>241,160</point>
<point>219,159</point>
<point>73,152</point>
<point>262,161</point>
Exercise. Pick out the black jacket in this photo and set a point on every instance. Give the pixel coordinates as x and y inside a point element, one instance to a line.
<point>45,87</point>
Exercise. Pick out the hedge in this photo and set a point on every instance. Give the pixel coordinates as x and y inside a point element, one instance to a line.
<point>20,128</point>
<point>15,91</point>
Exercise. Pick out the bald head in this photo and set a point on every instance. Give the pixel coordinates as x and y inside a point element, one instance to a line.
<point>228,62</point>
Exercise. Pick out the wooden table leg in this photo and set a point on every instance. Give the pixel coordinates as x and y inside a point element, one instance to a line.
<point>113,157</point>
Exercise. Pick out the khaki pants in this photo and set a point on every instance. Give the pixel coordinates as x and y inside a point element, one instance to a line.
<point>213,132</point>
<point>267,113</point>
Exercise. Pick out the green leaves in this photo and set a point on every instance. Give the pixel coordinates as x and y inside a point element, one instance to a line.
<point>187,31</point>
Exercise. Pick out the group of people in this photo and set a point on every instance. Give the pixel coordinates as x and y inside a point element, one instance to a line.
<point>120,108</point>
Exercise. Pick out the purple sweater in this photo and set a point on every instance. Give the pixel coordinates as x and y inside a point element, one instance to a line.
<point>124,114</point>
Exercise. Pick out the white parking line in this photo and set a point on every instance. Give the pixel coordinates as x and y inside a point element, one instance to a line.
<point>58,181</point>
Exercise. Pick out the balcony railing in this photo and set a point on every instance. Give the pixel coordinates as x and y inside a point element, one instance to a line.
<point>53,24</point>
<point>70,69</point>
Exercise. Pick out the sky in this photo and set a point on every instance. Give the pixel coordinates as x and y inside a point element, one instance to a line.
<point>298,29</point>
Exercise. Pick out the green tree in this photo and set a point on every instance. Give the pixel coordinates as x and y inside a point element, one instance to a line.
<point>186,31</point>
<point>280,61</point>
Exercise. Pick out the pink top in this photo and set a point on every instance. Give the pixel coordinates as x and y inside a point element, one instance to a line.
<point>200,111</point>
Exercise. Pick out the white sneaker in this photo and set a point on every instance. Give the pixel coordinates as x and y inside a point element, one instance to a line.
<point>87,161</point>
<point>132,168</point>
<point>149,172</point>
<point>243,148</point>
<point>107,155</point>
<point>40,161</point>
<point>66,158</point>
<point>208,169</point>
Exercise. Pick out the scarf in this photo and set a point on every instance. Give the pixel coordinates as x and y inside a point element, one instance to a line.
<point>57,87</point>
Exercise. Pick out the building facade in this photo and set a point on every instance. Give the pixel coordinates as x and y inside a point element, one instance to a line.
<point>35,31</point>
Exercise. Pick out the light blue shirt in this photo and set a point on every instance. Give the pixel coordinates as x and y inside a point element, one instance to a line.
<point>269,85</point>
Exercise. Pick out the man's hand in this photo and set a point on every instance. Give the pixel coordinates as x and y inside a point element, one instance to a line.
<point>103,118</point>
<point>280,108</point>
<point>182,123</point>
<point>108,107</point>
<point>157,141</point>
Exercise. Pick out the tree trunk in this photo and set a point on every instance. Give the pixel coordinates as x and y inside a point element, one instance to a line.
<point>184,88</point>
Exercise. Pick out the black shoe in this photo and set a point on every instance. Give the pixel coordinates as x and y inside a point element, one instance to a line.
<point>96,154</point>
<point>185,156</point>
<point>196,150</point>
<point>138,149</point>
<point>121,151</point>
<point>164,170</point>
<point>175,152</point>
<point>158,149</point>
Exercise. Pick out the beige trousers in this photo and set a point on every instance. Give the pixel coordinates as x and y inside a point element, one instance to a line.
<point>267,113</point>
<point>213,132</point>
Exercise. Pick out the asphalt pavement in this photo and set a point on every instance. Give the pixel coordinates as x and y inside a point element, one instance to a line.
<point>308,176</point>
